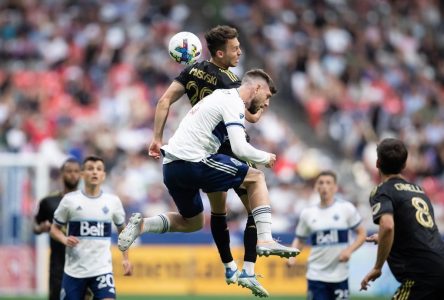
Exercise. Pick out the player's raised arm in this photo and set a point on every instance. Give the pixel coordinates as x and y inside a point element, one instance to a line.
<point>171,95</point>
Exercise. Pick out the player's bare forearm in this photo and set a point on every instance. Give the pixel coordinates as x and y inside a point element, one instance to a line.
<point>386,235</point>
<point>361,233</point>
<point>299,244</point>
<point>160,118</point>
<point>42,227</point>
<point>171,95</point>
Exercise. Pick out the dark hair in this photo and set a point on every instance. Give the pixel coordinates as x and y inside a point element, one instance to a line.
<point>392,156</point>
<point>217,38</point>
<point>70,160</point>
<point>328,173</point>
<point>259,73</point>
<point>92,158</point>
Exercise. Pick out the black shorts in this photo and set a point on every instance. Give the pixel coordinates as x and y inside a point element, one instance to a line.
<point>415,290</point>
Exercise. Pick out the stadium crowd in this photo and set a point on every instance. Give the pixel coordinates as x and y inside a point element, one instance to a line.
<point>83,77</point>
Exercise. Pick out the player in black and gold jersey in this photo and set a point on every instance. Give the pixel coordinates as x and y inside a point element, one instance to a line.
<point>197,81</point>
<point>408,237</point>
<point>70,173</point>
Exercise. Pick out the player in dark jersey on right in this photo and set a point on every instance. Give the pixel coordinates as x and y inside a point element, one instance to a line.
<point>197,81</point>
<point>408,237</point>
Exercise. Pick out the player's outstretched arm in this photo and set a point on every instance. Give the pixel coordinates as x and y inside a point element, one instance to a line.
<point>171,95</point>
<point>386,235</point>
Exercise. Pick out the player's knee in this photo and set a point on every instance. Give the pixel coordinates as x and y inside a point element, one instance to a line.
<point>254,176</point>
<point>196,223</point>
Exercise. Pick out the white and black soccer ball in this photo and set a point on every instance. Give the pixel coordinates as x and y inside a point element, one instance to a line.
<point>185,47</point>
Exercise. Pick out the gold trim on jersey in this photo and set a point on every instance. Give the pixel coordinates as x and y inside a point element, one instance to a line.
<point>403,291</point>
<point>230,75</point>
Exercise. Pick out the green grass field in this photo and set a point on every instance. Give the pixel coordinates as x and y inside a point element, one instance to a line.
<point>193,297</point>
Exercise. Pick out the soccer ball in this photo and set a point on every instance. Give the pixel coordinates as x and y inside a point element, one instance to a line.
<point>185,48</point>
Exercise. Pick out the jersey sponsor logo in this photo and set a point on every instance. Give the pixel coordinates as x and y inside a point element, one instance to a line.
<point>89,228</point>
<point>329,237</point>
<point>203,75</point>
<point>376,208</point>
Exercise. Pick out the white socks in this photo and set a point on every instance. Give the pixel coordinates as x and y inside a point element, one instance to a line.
<point>262,218</point>
<point>231,265</point>
<point>249,267</point>
<point>157,224</point>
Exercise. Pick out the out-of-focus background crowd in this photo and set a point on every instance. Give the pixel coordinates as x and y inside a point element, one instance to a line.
<point>83,77</point>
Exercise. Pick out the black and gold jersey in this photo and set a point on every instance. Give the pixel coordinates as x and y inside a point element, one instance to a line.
<point>418,250</point>
<point>202,78</point>
<point>46,210</point>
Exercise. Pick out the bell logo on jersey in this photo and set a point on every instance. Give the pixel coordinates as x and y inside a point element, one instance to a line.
<point>92,230</point>
<point>327,238</point>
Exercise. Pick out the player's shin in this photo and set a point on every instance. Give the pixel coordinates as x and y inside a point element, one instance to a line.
<point>156,224</point>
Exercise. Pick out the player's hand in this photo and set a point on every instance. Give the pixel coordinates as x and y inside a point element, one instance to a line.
<point>44,226</point>
<point>371,276</point>
<point>344,256</point>
<point>154,149</point>
<point>127,267</point>
<point>71,241</point>
<point>374,238</point>
<point>272,161</point>
<point>291,262</point>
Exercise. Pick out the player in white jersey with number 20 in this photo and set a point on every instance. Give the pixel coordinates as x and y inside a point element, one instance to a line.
<point>88,215</point>
<point>327,226</point>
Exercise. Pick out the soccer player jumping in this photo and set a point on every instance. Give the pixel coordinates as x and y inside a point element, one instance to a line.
<point>197,81</point>
<point>191,163</point>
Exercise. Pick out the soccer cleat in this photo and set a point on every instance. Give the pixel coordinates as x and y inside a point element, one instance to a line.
<point>231,276</point>
<point>130,232</point>
<point>250,282</point>
<point>274,248</point>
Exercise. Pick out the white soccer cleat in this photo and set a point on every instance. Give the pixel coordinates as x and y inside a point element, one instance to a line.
<point>274,248</point>
<point>130,232</point>
<point>231,276</point>
<point>250,282</point>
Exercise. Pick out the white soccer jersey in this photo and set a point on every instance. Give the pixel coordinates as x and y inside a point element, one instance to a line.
<point>328,229</point>
<point>89,219</point>
<point>203,129</point>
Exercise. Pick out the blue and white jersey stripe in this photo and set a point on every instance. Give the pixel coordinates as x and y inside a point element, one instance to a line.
<point>328,230</point>
<point>90,220</point>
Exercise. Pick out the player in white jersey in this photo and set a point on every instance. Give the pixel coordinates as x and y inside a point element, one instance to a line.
<point>327,226</point>
<point>88,215</point>
<point>191,163</point>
